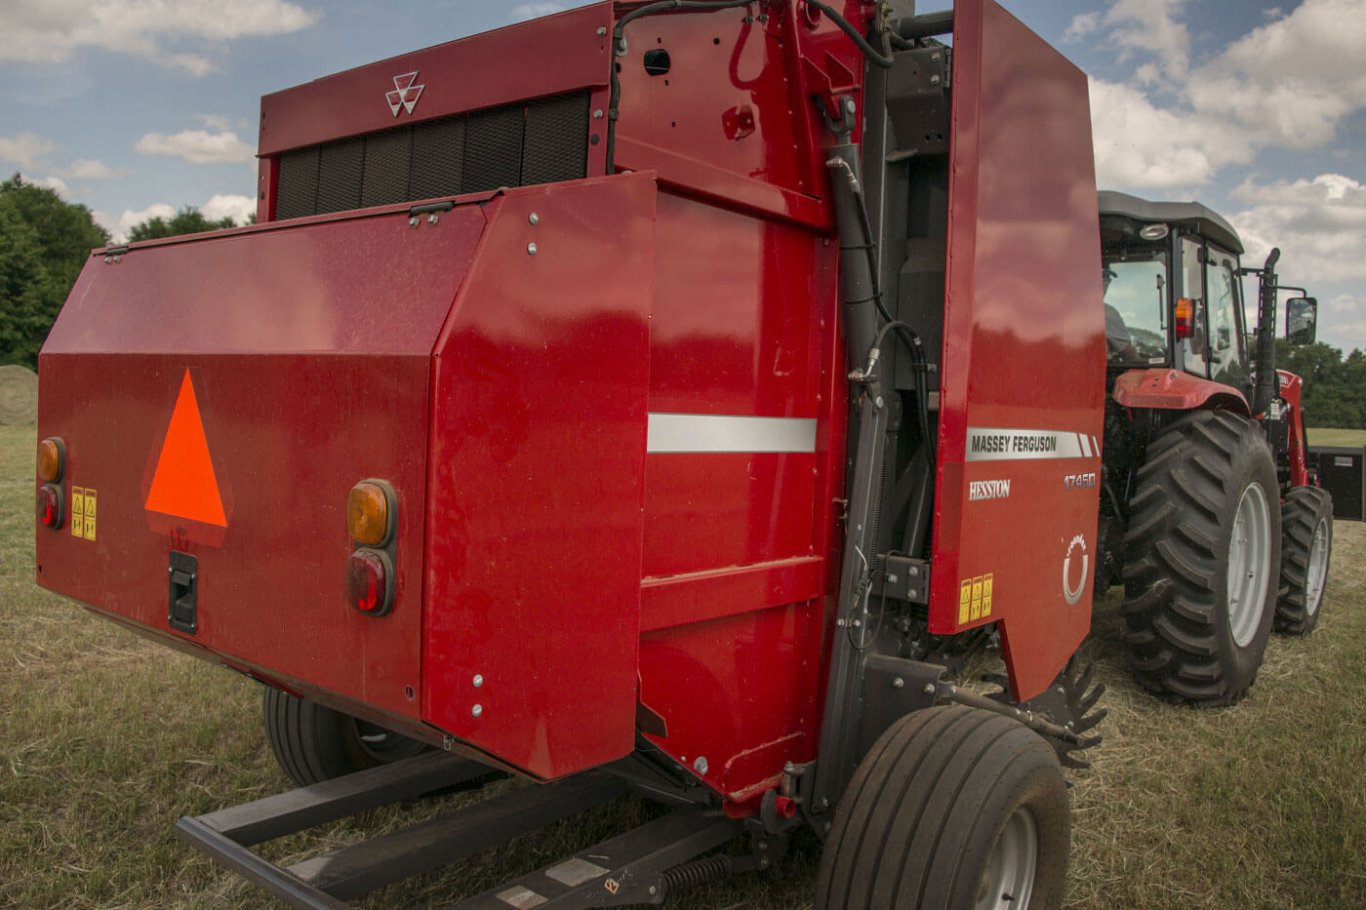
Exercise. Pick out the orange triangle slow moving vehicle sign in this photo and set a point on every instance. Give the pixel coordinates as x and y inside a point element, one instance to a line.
<point>184,485</point>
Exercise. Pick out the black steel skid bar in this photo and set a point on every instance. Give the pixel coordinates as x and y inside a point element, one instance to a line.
<point>626,869</point>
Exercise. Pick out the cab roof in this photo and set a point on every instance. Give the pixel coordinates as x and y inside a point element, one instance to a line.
<point>1190,215</point>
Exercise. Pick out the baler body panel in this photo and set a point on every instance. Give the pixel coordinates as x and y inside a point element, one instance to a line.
<point>307,379</point>
<point>537,473</point>
<point>1024,351</point>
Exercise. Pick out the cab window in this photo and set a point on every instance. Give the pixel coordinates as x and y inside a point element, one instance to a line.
<point>1227,362</point>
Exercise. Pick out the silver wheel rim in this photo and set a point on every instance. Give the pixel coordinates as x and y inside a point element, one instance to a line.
<point>1008,880</point>
<point>1317,572</point>
<point>1249,559</point>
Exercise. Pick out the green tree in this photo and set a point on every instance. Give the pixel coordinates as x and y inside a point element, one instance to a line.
<point>189,220</point>
<point>44,243</point>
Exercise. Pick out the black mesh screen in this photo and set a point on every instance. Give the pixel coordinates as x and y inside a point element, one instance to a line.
<point>540,141</point>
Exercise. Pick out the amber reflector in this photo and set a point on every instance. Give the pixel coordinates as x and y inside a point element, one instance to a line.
<point>367,514</point>
<point>50,458</point>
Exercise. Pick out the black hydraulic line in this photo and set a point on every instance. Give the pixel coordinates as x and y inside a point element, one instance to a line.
<point>926,25</point>
<point>875,56</point>
<point>1266,336</point>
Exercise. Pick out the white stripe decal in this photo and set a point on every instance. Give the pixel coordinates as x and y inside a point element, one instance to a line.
<point>1085,446</point>
<point>725,433</point>
<point>998,444</point>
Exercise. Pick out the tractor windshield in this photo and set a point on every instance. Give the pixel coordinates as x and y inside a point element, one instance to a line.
<point>1136,308</point>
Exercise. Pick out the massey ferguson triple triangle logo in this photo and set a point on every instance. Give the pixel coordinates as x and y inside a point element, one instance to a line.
<point>405,94</point>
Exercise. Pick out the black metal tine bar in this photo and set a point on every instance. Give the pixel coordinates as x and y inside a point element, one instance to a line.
<point>253,868</point>
<point>384,860</point>
<point>616,872</point>
<point>307,807</point>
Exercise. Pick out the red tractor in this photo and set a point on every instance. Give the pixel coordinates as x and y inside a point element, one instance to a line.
<point>1208,514</point>
<point>662,397</point>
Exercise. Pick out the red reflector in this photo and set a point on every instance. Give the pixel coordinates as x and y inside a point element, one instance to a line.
<point>369,582</point>
<point>50,506</point>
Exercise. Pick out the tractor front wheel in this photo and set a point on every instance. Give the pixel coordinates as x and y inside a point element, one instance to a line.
<point>313,743</point>
<point>953,808</point>
<point>1307,523</point>
<point>1202,559</point>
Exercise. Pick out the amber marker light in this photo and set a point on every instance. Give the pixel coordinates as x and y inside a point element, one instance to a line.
<point>370,513</point>
<point>51,459</point>
<point>1185,317</point>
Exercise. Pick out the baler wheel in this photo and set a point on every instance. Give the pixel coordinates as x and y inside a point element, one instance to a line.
<point>952,808</point>
<point>313,743</point>
<point>1202,557</point>
<point>1306,547</point>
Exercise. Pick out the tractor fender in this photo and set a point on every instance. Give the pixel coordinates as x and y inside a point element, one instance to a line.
<point>1173,390</point>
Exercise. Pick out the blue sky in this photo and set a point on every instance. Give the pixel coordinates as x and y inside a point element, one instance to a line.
<point>1257,108</point>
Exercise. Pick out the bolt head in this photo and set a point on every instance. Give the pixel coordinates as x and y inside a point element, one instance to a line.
<point>602,30</point>
<point>898,683</point>
<point>433,218</point>
<point>700,766</point>
<point>412,222</point>
<point>477,711</point>
<point>531,249</point>
<point>929,688</point>
<point>478,680</point>
<point>534,218</point>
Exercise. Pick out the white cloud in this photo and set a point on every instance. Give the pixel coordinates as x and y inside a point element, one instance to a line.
<point>524,11</point>
<point>26,149</point>
<point>221,206</point>
<point>1319,224</point>
<point>1082,25</point>
<point>52,182</point>
<point>1287,83</point>
<point>53,31</point>
<point>215,122</point>
<point>1138,144</point>
<point>86,169</point>
<point>130,219</point>
<point>197,146</point>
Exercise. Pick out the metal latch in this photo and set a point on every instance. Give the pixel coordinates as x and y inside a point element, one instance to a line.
<point>184,572</point>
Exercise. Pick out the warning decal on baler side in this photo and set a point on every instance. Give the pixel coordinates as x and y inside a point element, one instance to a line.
<point>974,598</point>
<point>83,501</point>
<point>185,485</point>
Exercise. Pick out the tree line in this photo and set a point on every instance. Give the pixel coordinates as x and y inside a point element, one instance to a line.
<point>44,243</point>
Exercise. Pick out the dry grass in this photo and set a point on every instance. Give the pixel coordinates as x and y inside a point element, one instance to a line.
<point>105,740</point>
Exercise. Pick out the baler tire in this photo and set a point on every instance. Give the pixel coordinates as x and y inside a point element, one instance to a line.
<point>313,743</point>
<point>1190,640</point>
<point>1306,550</point>
<point>941,800</point>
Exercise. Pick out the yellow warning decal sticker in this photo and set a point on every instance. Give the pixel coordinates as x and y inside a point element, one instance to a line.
<point>90,501</point>
<point>83,508</point>
<point>974,599</point>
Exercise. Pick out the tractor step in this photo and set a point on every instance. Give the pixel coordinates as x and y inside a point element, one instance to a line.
<point>631,868</point>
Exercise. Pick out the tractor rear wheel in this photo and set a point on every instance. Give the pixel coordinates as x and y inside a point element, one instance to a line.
<point>313,743</point>
<point>1307,545</point>
<point>1202,557</point>
<point>953,808</point>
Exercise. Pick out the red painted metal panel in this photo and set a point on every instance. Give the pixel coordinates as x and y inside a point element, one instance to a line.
<point>1292,389</point>
<point>309,351</point>
<point>1023,347</point>
<point>700,596</point>
<point>542,57</point>
<point>1174,390</point>
<point>537,469</point>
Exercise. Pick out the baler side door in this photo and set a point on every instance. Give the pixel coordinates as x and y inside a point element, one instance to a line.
<point>1024,351</point>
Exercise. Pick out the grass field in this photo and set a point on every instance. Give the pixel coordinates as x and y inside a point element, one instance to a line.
<point>105,740</point>
<point>1326,437</point>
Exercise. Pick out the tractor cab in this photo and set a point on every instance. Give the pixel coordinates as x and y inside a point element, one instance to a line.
<point>1173,294</point>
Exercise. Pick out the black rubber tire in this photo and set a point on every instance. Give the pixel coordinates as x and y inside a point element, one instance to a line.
<point>916,826</point>
<point>1176,606</point>
<point>1304,509</point>
<point>313,743</point>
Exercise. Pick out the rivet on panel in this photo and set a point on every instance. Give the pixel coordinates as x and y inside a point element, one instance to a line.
<point>478,680</point>
<point>477,710</point>
<point>534,218</point>
<point>531,249</point>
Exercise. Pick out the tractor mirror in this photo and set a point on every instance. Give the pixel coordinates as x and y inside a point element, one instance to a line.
<point>1301,318</point>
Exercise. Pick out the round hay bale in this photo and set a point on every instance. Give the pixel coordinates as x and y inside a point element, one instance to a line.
<point>18,395</point>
